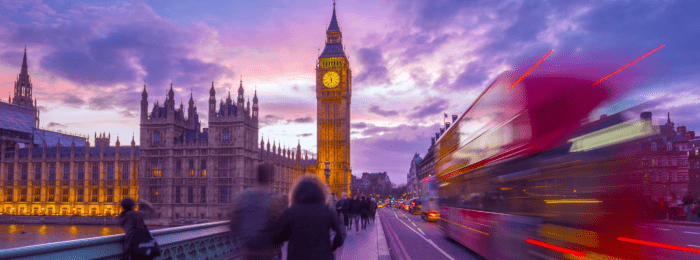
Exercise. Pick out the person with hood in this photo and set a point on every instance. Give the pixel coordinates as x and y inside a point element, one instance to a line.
<point>253,216</point>
<point>355,213</point>
<point>132,222</point>
<point>307,222</point>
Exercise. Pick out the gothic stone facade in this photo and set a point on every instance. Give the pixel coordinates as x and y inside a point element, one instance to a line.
<point>66,178</point>
<point>333,95</point>
<point>190,172</point>
<point>68,181</point>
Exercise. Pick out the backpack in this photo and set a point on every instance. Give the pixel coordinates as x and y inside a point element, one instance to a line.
<point>141,243</point>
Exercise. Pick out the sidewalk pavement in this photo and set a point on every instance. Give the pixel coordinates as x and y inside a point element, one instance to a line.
<point>368,244</point>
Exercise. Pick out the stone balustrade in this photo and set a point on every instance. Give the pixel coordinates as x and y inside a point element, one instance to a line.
<point>201,241</point>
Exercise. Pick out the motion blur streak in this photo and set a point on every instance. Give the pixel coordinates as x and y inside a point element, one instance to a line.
<point>533,67</point>
<point>572,201</point>
<point>647,243</point>
<point>571,235</point>
<point>645,55</point>
<point>615,134</point>
<point>555,248</point>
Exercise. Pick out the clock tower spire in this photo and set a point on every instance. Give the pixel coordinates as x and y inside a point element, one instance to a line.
<point>333,95</point>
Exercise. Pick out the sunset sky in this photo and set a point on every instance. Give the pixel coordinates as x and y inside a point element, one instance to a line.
<point>412,61</point>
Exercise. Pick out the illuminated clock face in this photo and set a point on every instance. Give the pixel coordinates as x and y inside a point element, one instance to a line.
<point>331,79</point>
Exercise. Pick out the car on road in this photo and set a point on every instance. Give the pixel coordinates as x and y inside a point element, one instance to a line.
<point>414,206</point>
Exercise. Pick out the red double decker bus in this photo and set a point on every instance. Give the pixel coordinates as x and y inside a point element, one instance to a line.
<point>520,176</point>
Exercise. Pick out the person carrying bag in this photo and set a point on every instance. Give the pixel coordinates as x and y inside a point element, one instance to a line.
<point>138,242</point>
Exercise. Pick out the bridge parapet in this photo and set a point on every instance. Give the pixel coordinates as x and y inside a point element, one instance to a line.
<point>201,241</point>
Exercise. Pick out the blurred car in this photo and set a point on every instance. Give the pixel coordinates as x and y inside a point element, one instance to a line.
<point>414,206</point>
<point>380,205</point>
<point>430,216</point>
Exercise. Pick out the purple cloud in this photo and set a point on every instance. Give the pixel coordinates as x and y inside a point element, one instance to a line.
<point>72,100</point>
<point>385,113</point>
<point>56,125</point>
<point>436,106</point>
<point>302,120</point>
<point>374,69</point>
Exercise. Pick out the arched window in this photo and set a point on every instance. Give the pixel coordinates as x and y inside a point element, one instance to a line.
<point>669,146</point>
<point>225,136</point>
<point>156,137</point>
<point>653,146</point>
<point>697,165</point>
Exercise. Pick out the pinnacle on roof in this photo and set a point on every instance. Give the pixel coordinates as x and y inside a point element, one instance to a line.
<point>255,95</point>
<point>333,27</point>
<point>240,87</point>
<point>24,62</point>
<point>212,91</point>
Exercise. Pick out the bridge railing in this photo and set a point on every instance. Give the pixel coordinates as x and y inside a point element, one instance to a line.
<point>202,241</point>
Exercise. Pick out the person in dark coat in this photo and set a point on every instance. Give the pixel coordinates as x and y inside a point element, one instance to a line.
<point>253,216</point>
<point>343,206</point>
<point>373,210</point>
<point>364,211</point>
<point>129,219</point>
<point>355,213</point>
<point>307,223</point>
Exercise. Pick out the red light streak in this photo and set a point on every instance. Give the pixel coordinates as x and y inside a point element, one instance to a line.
<point>533,67</point>
<point>555,248</point>
<point>635,61</point>
<point>647,243</point>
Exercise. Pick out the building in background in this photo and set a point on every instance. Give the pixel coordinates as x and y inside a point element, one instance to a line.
<point>333,96</point>
<point>185,170</point>
<point>664,160</point>
<point>44,172</point>
<point>376,185</point>
<point>192,172</point>
<point>412,180</point>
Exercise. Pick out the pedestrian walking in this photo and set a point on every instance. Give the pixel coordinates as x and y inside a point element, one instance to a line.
<point>253,215</point>
<point>373,210</point>
<point>138,242</point>
<point>307,223</point>
<point>688,206</point>
<point>343,206</point>
<point>355,213</point>
<point>364,211</point>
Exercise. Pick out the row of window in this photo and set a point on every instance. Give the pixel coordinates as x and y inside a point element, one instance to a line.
<point>156,167</point>
<point>669,147</point>
<point>64,195</point>
<point>664,162</point>
<point>79,168</point>
<point>224,195</point>
<point>673,177</point>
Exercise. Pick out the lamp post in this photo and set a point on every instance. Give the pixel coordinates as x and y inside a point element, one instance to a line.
<point>327,170</point>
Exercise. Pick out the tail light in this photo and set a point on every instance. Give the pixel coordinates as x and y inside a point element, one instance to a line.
<point>431,214</point>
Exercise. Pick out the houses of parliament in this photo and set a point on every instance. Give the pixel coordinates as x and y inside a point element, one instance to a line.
<point>185,170</point>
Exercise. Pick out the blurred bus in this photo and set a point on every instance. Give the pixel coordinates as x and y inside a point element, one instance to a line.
<point>519,175</point>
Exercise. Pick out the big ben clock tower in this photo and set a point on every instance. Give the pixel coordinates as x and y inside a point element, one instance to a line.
<point>333,93</point>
